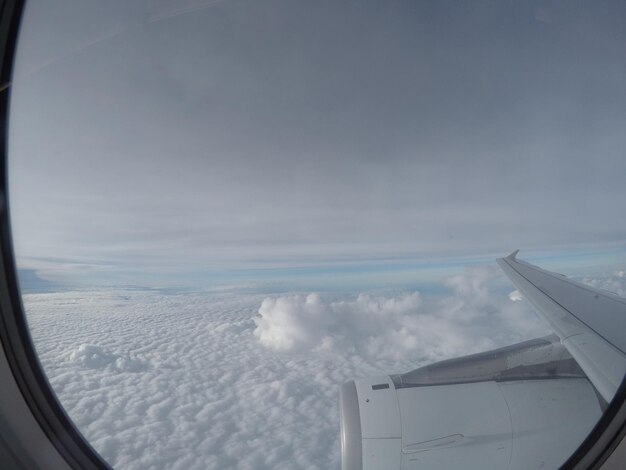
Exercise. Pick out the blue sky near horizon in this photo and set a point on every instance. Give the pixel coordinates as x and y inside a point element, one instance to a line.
<point>427,276</point>
<point>294,144</point>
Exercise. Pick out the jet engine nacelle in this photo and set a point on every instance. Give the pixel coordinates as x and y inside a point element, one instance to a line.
<point>524,406</point>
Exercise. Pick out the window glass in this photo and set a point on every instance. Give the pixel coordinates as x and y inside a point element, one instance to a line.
<point>224,210</point>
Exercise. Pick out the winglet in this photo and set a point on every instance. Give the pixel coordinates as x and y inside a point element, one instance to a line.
<point>513,255</point>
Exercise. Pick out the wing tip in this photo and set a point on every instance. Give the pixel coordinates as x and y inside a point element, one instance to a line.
<point>513,256</point>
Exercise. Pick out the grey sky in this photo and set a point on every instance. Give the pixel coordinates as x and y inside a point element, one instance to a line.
<point>245,133</point>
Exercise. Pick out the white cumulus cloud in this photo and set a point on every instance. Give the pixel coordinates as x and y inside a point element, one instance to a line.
<point>300,322</point>
<point>403,327</point>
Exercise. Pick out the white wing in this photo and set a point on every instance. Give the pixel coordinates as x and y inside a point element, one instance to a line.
<point>590,323</point>
<point>528,405</point>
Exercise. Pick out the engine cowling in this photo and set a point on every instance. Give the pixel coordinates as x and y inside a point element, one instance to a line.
<point>524,406</point>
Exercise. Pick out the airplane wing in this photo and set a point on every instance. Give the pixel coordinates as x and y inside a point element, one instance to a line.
<point>528,405</point>
<point>590,323</point>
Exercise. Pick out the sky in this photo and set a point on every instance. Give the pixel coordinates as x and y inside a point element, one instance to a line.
<point>314,143</point>
<point>224,209</point>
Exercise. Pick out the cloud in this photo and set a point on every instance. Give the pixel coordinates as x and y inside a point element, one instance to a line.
<point>219,381</point>
<point>180,382</point>
<point>317,148</point>
<point>472,317</point>
<point>515,296</point>
<point>94,357</point>
<point>307,322</point>
<point>614,282</point>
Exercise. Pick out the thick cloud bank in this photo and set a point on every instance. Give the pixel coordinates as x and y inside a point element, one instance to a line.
<point>309,322</point>
<point>472,317</point>
<point>247,382</point>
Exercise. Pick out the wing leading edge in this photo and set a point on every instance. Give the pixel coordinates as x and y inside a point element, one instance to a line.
<point>590,323</point>
<point>527,405</point>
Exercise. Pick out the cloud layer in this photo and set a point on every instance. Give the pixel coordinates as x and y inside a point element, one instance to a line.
<point>219,381</point>
<point>395,328</point>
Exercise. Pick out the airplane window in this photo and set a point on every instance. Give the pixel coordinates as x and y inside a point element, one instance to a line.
<point>264,234</point>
